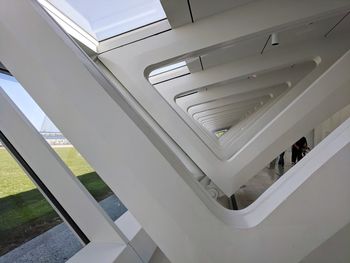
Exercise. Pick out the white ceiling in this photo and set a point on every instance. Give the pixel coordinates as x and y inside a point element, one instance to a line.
<point>204,8</point>
<point>290,36</point>
<point>181,12</point>
<point>221,112</point>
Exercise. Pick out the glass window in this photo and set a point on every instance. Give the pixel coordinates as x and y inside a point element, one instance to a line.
<point>107,18</point>
<point>30,229</point>
<point>71,157</point>
<point>168,72</point>
<point>167,68</point>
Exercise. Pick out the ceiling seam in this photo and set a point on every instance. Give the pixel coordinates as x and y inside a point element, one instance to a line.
<point>267,41</point>
<point>329,31</point>
<point>189,6</point>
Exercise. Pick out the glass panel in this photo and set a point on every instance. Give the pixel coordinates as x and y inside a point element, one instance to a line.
<point>30,229</point>
<point>167,68</point>
<point>72,158</point>
<point>106,18</point>
<point>168,72</point>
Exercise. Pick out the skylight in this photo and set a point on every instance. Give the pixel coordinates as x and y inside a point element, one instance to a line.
<point>107,18</point>
<point>167,68</point>
<point>168,72</point>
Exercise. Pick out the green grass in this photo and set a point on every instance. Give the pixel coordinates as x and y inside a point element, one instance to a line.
<point>74,160</point>
<point>24,212</point>
<point>14,181</point>
<point>12,178</point>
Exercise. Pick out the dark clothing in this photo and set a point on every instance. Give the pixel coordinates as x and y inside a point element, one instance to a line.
<point>302,143</point>
<point>296,154</point>
<point>281,159</point>
<point>298,149</point>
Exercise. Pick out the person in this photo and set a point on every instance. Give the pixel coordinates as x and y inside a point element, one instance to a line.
<point>272,164</point>
<point>298,150</point>
<point>281,159</point>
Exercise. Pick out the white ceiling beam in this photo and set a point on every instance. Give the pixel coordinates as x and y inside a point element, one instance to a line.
<point>256,64</point>
<point>177,12</point>
<point>230,107</point>
<point>226,102</point>
<point>232,115</point>
<point>276,89</point>
<point>287,75</point>
<point>194,64</point>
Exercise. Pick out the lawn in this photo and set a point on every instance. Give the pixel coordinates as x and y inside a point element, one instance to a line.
<point>24,212</point>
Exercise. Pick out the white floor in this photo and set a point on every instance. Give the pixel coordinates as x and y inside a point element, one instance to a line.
<point>249,192</point>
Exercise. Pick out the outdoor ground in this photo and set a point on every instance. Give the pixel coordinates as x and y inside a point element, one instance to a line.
<point>24,213</point>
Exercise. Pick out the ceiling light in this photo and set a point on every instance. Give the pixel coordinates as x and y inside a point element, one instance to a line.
<point>252,76</point>
<point>274,39</point>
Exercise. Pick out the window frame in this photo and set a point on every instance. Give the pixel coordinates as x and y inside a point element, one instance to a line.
<point>55,204</point>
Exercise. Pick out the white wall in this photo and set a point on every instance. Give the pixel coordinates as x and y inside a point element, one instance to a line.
<point>331,124</point>
<point>334,250</point>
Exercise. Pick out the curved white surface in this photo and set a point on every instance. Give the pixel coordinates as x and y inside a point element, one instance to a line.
<point>285,224</point>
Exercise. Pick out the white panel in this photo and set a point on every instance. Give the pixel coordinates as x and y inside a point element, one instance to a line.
<point>178,12</point>
<point>335,249</point>
<point>204,8</point>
